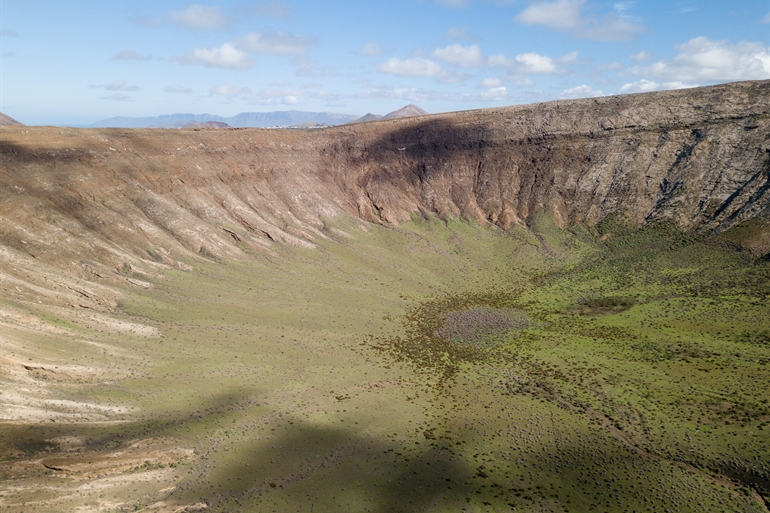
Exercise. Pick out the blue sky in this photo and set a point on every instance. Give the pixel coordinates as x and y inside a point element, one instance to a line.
<point>76,62</point>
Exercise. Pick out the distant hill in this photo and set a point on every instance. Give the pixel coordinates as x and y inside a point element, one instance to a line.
<point>409,111</point>
<point>8,121</point>
<point>242,120</point>
<point>368,117</point>
<point>206,124</point>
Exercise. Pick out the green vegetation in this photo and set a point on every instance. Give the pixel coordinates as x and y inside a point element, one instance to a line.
<point>449,366</point>
<point>647,338</point>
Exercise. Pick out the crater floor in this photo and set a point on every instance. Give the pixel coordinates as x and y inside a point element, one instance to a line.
<point>315,379</point>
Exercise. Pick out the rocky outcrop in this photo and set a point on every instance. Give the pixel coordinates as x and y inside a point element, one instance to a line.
<point>80,209</point>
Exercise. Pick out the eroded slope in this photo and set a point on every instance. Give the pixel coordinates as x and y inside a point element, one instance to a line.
<point>94,201</point>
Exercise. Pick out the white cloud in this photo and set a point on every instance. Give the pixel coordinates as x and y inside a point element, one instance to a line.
<point>419,95</point>
<point>178,89</point>
<point>229,90</point>
<point>703,60</point>
<point>570,57</point>
<point>611,66</point>
<point>611,27</point>
<point>641,56</point>
<point>129,55</point>
<point>412,94</point>
<point>567,16</point>
<point>523,82</point>
<point>115,85</point>
<point>500,61</point>
<point>309,68</point>
<point>469,56</point>
<point>417,67</point>
<point>372,49</point>
<point>766,19</point>
<point>236,54</point>
<point>581,91</point>
<point>459,55</point>
<point>462,34</point>
<point>644,86</point>
<point>226,56</point>
<point>144,21</point>
<point>495,94</point>
<point>274,10</point>
<point>451,77</point>
<point>274,43</point>
<point>535,63</point>
<point>678,85</point>
<point>453,4</point>
<point>491,82</point>
<point>524,63</point>
<point>558,15</point>
<point>200,17</point>
<point>275,96</point>
<point>118,97</point>
<point>263,97</point>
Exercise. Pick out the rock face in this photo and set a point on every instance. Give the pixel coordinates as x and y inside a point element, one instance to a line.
<point>87,205</point>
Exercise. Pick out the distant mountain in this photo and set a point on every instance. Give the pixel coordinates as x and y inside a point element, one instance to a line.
<point>8,121</point>
<point>368,117</point>
<point>409,111</point>
<point>206,124</point>
<point>242,120</point>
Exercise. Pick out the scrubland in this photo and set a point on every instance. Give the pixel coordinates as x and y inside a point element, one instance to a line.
<point>433,366</point>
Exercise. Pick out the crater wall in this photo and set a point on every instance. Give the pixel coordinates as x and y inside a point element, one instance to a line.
<point>81,209</point>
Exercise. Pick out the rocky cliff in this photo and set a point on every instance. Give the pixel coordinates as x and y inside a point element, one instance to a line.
<point>78,208</point>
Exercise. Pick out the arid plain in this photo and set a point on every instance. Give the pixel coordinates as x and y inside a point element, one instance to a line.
<point>554,307</point>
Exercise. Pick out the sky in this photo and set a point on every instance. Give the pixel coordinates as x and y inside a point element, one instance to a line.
<point>80,61</point>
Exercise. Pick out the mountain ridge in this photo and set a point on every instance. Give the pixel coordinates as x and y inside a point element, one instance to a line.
<point>241,120</point>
